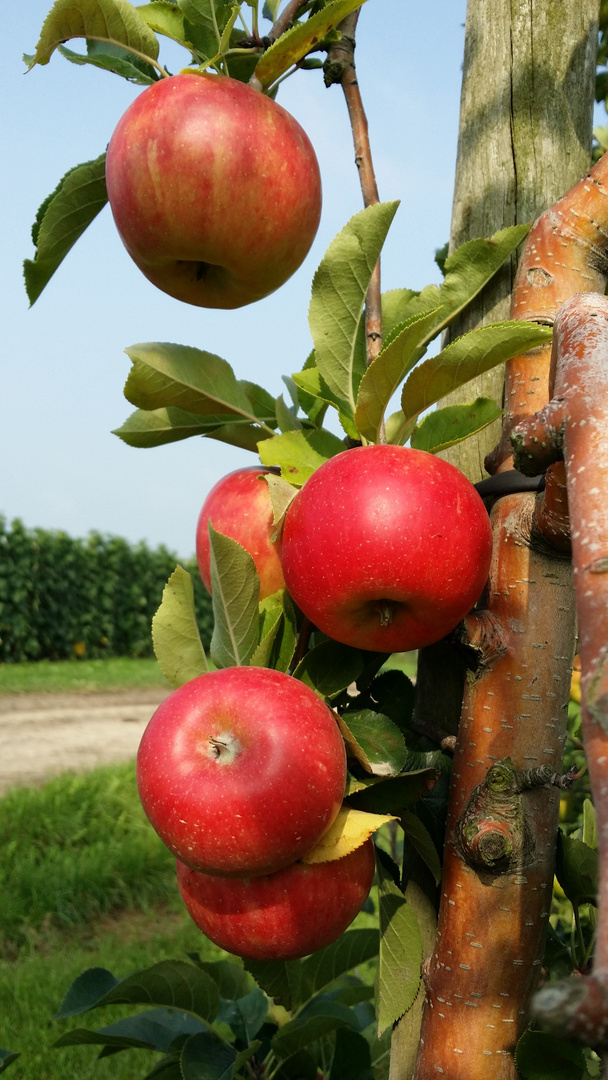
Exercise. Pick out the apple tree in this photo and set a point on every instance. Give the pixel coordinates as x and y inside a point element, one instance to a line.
<point>465,928</point>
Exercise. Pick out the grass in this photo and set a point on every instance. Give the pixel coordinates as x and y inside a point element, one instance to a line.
<point>74,849</point>
<point>64,676</point>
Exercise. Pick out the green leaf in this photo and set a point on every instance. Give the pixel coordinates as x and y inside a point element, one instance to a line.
<point>400,960</point>
<point>375,741</point>
<point>466,358</point>
<point>175,636</point>
<point>390,796</point>
<point>62,218</point>
<point>330,667</point>
<point>299,453</point>
<point>207,19</point>
<point>466,271</point>
<point>6,1058</point>
<point>386,372</point>
<point>115,59</point>
<point>589,836</point>
<point>235,591</point>
<point>338,295</point>
<point>398,428</point>
<point>245,1015</point>
<point>206,1057</point>
<point>352,1057</point>
<point>280,979</point>
<point>165,18</point>
<point>282,495</point>
<point>157,427</point>
<point>576,869</point>
<point>198,382</point>
<point>172,983</point>
<point>155,1029</point>
<point>540,1056</point>
<point>232,981</point>
<point>421,840</point>
<point>285,641</point>
<point>298,41</point>
<point>114,21</point>
<point>296,1035</point>
<point>286,418</point>
<point>452,424</point>
<point>322,968</point>
<point>271,617</point>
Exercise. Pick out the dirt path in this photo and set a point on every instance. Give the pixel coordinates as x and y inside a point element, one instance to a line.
<point>42,735</point>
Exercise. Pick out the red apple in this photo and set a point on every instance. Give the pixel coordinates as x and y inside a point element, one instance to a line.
<point>215,189</point>
<point>284,915</point>
<point>241,771</point>
<point>239,506</point>
<point>386,548</point>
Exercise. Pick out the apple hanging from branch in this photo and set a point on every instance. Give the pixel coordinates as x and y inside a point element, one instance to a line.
<point>386,548</point>
<point>215,189</point>
<point>241,771</point>
<point>239,506</point>
<point>282,916</point>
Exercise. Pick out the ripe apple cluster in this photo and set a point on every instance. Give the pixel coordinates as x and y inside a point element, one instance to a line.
<point>214,188</point>
<point>384,548</point>
<point>241,772</point>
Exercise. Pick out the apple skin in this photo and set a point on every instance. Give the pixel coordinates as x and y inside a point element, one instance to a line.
<point>386,548</point>
<point>282,916</point>
<point>215,189</point>
<point>241,771</point>
<point>239,506</point>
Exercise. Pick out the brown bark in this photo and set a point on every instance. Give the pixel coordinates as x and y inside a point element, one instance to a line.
<point>574,426</point>
<point>491,923</point>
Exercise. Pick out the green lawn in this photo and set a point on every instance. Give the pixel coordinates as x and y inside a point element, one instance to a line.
<point>63,676</point>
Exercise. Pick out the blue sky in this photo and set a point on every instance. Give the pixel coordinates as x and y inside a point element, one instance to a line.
<point>64,365</point>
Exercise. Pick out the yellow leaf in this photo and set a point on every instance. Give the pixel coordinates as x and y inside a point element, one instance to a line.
<point>349,831</point>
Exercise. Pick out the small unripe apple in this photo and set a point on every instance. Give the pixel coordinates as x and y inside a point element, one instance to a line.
<point>241,771</point>
<point>239,506</point>
<point>282,916</point>
<point>386,548</point>
<point>215,189</point>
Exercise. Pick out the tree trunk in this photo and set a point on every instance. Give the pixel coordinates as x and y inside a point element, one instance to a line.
<point>524,140</point>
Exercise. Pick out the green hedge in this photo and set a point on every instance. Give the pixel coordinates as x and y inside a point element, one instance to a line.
<point>61,597</point>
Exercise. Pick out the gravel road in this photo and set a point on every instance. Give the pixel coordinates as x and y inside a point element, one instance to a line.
<point>42,735</point>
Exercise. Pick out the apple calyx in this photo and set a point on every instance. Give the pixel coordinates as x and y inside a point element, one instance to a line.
<point>224,748</point>
<point>387,610</point>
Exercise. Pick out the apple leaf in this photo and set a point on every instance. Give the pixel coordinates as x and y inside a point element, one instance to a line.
<point>387,371</point>
<point>466,270</point>
<point>301,39</point>
<point>271,617</point>
<point>62,218</point>
<point>320,969</point>
<point>316,389</point>
<point>208,20</point>
<point>381,796</point>
<point>115,59</point>
<point>6,1058</point>
<point>285,641</point>
<point>374,740</point>
<point>352,1057</point>
<point>576,869</point>
<point>282,495</point>
<point>171,983</point>
<point>287,419</point>
<point>466,358</point>
<point>400,960</point>
<point>421,840</point>
<point>280,979</point>
<point>177,643</point>
<point>314,407</point>
<point>543,1056</point>
<point>156,427</point>
<point>338,295</point>
<point>299,453</point>
<point>206,1055</point>
<point>198,382</point>
<point>329,668</point>
<point>350,830</point>
<point>235,589</point>
<point>299,1033</point>
<point>113,21</point>
<point>398,428</point>
<point>450,425</point>
<point>155,1029</point>
<point>589,834</point>
<point>165,18</point>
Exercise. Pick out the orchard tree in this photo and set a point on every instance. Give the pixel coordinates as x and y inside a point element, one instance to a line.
<point>376,542</point>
